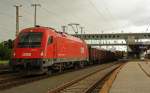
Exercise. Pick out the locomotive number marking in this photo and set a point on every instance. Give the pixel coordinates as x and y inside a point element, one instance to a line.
<point>26,54</point>
<point>82,50</point>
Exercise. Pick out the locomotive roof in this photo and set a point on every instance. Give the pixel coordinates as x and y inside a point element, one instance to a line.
<point>70,36</point>
<point>38,28</point>
<point>42,29</point>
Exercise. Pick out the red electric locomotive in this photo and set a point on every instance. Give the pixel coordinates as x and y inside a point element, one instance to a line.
<point>41,49</point>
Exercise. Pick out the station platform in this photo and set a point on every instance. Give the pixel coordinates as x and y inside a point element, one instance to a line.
<point>134,77</point>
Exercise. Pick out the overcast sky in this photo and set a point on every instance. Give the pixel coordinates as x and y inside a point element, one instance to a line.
<point>96,16</point>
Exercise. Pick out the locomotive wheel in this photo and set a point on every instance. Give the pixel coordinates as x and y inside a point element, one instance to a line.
<point>49,72</point>
<point>76,66</point>
<point>81,64</point>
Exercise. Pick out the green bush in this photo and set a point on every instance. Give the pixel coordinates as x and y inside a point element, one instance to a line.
<point>5,52</point>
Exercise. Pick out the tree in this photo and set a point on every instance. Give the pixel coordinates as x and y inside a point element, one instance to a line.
<point>8,43</point>
<point>5,49</point>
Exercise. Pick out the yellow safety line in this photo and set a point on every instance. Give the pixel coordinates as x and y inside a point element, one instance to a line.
<point>107,85</point>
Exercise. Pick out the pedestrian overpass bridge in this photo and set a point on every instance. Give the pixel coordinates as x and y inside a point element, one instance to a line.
<point>132,40</point>
<point>107,36</point>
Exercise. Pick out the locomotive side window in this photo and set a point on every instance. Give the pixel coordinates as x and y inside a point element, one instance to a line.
<point>50,40</point>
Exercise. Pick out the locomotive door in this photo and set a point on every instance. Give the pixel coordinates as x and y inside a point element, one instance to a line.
<point>50,53</point>
<point>55,50</point>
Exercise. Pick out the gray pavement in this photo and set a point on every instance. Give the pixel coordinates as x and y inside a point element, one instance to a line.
<point>132,79</point>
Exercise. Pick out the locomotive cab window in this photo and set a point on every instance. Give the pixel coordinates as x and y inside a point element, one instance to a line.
<point>50,40</point>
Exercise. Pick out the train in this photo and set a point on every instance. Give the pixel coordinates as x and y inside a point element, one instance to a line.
<point>41,49</point>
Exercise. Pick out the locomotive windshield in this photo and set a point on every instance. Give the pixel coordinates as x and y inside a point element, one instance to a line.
<point>30,39</point>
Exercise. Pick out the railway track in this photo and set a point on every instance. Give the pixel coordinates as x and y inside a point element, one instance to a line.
<point>9,81</point>
<point>18,80</point>
<point>88,83</point>
<point>4,78</point>
<point>4,70</point>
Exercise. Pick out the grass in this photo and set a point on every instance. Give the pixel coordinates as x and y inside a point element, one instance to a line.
<point>3,62</point>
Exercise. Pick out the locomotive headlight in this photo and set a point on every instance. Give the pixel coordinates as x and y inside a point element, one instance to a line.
<point>14,54</point>
<point>42,53</point>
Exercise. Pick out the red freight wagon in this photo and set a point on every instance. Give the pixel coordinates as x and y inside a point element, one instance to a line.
<point>41,49</point>
<point>97,55</point>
